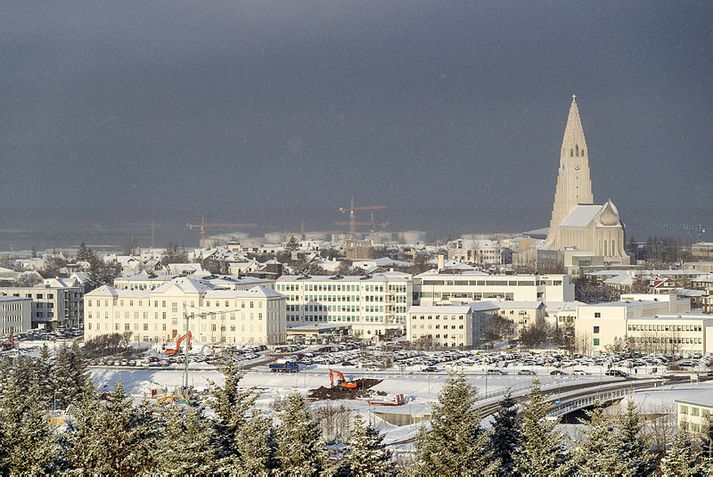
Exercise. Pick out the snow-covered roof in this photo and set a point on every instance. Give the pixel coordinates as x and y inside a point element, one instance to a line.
<point>581,215</point>
<point>186,285</point>
<point>378,277</point>
<point>623,279</point>
<point>508,305</point>
<point>258,291</point>
<point>104,290</point>
<point>455,309</point>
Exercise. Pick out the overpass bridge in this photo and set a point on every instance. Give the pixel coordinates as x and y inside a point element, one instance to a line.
<point>567,399</point>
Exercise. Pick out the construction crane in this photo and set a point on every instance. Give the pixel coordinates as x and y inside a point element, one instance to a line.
<point>152,225</point>
<point>352,210</point>
<point>203,226</point>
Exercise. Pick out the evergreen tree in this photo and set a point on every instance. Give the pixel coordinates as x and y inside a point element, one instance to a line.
<point>540,454</point>
<point>66,391</point>
<point>110,437</point>
<point>597,453</point>
<point>505,435</point>
<point>257,447</point>
<point>367,453</point>
<point>456,444</point>
<point>231,406</point>
<point>27,444</point>
<point>79,369</point>
<point>633,446</point>
<point>300,449</point>
<point>187,445</point>
<point>43,370</point>
<point>84,253</point>
<point>681,460</point>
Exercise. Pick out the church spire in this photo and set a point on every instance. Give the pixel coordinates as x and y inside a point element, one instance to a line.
<point>574,186</point>
<point>573,143</point>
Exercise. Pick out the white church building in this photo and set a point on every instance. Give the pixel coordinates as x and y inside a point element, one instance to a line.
<point>581,231</point>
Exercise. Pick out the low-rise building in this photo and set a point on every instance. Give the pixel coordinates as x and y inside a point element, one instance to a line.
<point>453,326</point>
<point>372,304</point>
<point>649,323</point>
<point>475,251</point>
<point>15,315</point>
<point>440,288</point>
<point>57,303</point>
<point>693,414</point>
<point>522,313</point>
<point>219,316</point>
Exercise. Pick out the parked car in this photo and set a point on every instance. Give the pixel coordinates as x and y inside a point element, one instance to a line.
<point>616,372</point>
<point>430,369</point>
<point>496,371</point>
<point>557,372</point>
<point>526,372</point>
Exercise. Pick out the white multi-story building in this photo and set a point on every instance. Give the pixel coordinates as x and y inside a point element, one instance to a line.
<point>255,316</point>
<point>439,288</point>
<point>57,303</point>
<point>450,326</point>
<point>474,251</point>
<point>370,304</point>
<point>601,326</point>
<point>522,314</point>
<point>15,315</point>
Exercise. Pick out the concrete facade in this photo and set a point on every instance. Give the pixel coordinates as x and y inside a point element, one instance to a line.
<point>219,316</point>
<point>55,304</point>
<point>371,304</point>
<point>15,315</point>
<point>450,326</point>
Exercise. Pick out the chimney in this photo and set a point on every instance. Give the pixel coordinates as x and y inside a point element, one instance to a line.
<point>440,263</point>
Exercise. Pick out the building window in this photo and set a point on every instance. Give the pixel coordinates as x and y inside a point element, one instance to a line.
<point>596,329</point>
<point>595,341</point>
<point>597,314</point>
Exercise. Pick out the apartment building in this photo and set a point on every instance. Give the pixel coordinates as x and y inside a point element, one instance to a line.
<point>371,304</point>
<point>452,326</point>
<point>227,316</point>
<point>57,303</point>
<point>15,315</point>
<point>434,288</point>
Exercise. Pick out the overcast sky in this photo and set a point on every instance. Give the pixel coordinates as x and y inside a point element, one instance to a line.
<point>449,113</point>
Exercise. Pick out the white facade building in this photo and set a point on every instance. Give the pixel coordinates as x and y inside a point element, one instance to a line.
<point>15,315</point>
<point>255,316</point>
<point>55,304</point>
<point>450,326</point>
<point>434,288</point>
<point>600,326</point>
<point>370,304</point>
<point>474,251</point>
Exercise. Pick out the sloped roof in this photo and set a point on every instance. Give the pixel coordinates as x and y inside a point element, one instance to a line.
<point>581,216</point>
<point>186,285</point>
<point>104,290</point>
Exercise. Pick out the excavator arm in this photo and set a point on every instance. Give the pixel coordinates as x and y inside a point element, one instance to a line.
<point>187,338</point>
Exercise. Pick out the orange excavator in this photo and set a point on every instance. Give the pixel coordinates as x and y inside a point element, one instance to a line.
<point>342,382</point>
<point>187,338</point>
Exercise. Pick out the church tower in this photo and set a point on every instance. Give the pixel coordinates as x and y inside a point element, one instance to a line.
<point>574,186</point>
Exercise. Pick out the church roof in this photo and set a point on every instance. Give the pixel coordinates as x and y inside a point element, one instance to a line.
<point>581,216</point>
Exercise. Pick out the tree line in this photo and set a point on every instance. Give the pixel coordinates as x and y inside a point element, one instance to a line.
<point>111,434</point>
